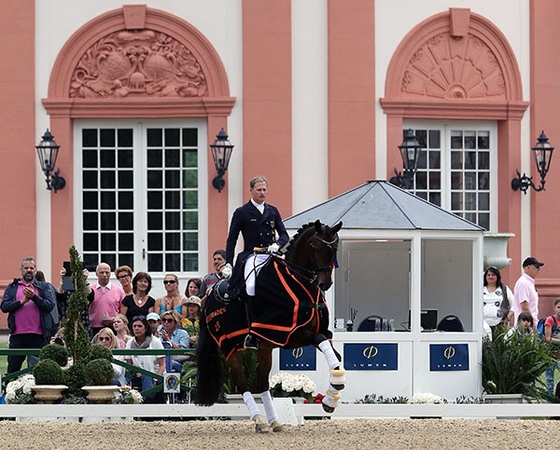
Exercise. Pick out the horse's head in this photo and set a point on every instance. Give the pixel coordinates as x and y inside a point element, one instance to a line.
<point>314,248</point>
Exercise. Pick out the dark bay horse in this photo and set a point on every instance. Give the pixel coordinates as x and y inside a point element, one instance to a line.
<point>289,312</point>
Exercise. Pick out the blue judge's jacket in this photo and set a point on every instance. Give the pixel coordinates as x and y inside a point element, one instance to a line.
<point>258,230</point>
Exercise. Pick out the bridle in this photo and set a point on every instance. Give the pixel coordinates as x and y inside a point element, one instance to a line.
<point>312,274</point>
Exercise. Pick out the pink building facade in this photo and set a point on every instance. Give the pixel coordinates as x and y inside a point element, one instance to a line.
<point>314,94</point>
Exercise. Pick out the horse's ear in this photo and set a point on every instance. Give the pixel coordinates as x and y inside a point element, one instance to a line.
<point>337,227</point>
<point>318,226</point>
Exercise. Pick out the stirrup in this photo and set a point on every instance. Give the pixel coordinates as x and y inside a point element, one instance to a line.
<point>251,342</point>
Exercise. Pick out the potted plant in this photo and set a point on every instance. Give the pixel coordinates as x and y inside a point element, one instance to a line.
<point>512,367</point>
<point>49,379</point>
<point>99,375</point>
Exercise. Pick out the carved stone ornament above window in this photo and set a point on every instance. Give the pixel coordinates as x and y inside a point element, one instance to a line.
<point>444,67</point>
<point>142,63</point>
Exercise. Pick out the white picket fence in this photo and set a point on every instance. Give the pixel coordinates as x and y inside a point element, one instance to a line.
<point>120,413</point>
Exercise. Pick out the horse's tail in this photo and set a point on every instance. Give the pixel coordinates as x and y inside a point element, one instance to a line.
<point>210,370</point>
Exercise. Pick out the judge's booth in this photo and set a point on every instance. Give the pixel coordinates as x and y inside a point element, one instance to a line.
<point>405,306</point>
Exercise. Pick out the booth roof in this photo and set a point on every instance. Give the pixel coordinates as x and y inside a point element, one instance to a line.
<point>381,205</point>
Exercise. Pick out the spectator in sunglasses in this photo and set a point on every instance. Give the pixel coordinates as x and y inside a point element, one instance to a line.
<point>173,299</point>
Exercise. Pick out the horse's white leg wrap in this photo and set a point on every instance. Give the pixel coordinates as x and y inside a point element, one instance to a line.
<point>337,377</point>
<point>331,397</point>
<point>330,356</point>
<point>269,408</point>
<point>249,401</point>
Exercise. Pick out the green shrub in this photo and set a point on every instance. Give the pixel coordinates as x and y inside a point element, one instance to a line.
<point>47,371</point>
<point>55,352</point>
<point>99,372</point>
<point>99,351</point>
<point>75,378</point>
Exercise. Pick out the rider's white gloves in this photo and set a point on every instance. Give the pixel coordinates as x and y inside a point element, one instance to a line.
<point>273,248</point>
<point>227,270</point>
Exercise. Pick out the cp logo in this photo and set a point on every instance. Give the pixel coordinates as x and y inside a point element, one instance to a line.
<point>449,352</point>
<point>297,352</point>
<point>370,352</point>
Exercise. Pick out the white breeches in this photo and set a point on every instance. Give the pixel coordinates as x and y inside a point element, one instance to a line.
<point>253,266</point>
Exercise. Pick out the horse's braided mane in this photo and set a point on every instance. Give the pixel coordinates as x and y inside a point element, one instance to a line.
<point>296,236</point>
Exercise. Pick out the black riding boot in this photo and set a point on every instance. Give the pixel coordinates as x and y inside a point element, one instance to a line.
<point>251,341</point>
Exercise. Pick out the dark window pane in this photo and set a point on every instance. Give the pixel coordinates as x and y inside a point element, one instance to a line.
<point>456,160</point>
<point>91,261</point>
<point>172,137</point>
<point>470,139</point>
<point>126,200</point>
<point>154,158</point>
<point>483,140</point>
<point>90,242</point>
<point>126,221</point>
<point>108,200</point>
<point>435,159</point>
<point>422,159</point>
<point>108,242</point>
<point>124,137</point>
<point>471,217</point>
<point>125,159</point>
<point>107,179</point>
<point>173,241</point>
<point>90,221</point>
<point>470,181</point>
<point>155,262</point>
<point>422,138</point>
<point>89,179</point>
<point>190,200</point>
<point>155,221</point>
<point>155,179</point>
<point>107,137</point>
<point>155,241</point>
<point>126,241</point>
<point>108,221</point>
<point>435,180</point>
<point>172,158</point>
<point>456,139</point>
<point>190,179</point>
<point>172,179</point>
<point>155,200</point>
<point>190,262</point>
<point>484,181</point>
<point>470,201</point>
<point>421,182</point>
<point>190,158</point>
<point>190,137</point>
<point>172,221</point>
<point>470,160</point>
<point>126,179</point>
<point>89,200</point>
<point>173,262</point>
<point>191,220</point>
<point>155,137</point>
<point>435,198</point>
<point>172,200</point>
<point>456,181</point>
<point>89,137</point>
<point>456,201</point>
<point>126,259</point>
<point>483,160</point>
<point>190,242</point>
<point>109,258</point>
<point>484,202</point>
<point>484,220</point>
<point>434,139</point>
<point>107,158</point>
<point>89,158</point>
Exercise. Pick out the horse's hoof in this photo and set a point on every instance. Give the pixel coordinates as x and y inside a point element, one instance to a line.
<point>276,426</point>
<point>259,424</point>
<point>338,387</point>
<point>327,408</point>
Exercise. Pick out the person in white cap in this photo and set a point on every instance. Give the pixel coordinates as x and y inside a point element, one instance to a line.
<point>155,323</point>
<point>524,291</point>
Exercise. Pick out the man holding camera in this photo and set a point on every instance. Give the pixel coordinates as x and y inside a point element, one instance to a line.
<point>28,303</point>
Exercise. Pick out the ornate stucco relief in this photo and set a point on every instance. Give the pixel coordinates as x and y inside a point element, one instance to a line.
<point>142,63</point>
<point>444,67</point>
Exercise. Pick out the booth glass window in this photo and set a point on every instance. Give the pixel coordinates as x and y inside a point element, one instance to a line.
<point>375,281</point>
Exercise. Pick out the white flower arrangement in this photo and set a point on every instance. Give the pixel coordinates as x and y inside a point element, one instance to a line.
<point>422,398</point>
<point>285,384</point>
<point>19,390</point>
<point>127,395</point>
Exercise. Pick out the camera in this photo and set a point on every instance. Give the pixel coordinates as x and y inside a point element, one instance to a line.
<point>59,341</point>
